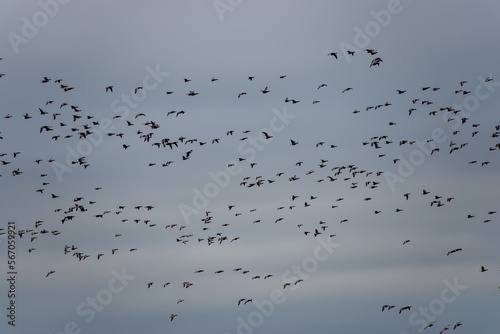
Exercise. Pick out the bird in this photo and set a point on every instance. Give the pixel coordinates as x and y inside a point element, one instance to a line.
<point>454,251</point>
<point>388,307</point>
<point>429,325</point>
<point>266,135</point>
<point>109,89</point>
<point>265,90</point>
<point>46,128</point>
<point>50,273</point>
<point>404,308</point>
<point>376,62</point>
<point>444,329</point>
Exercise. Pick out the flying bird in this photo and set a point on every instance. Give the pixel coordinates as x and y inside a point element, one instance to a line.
<point>266,135</point>
<point>454,251</point>
<point>376,62</point>
<point>388,307</point>
<point>404,308</point>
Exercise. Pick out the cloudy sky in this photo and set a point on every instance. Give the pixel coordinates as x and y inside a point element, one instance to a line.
<point>282,209</point>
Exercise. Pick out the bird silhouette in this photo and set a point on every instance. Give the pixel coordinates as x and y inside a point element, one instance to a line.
<point>404,308</point>
<point>454,251</point>
<point>265,90</point>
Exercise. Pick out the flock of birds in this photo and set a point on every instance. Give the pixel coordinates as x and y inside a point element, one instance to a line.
<point>63,120</point>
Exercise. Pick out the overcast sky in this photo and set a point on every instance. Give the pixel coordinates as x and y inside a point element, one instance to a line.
<point>278,201</point>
